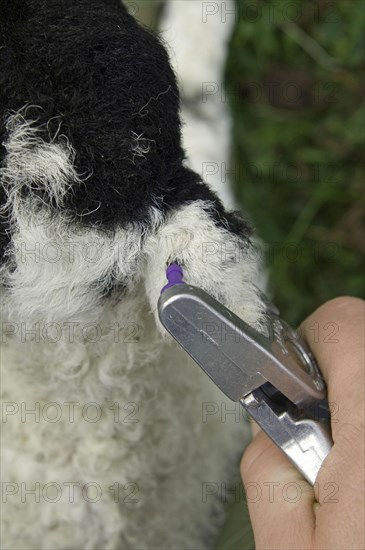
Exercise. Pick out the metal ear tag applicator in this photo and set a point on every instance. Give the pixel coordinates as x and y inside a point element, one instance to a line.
<point>273,376</point>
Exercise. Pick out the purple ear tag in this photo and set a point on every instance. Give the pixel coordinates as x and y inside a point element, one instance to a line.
<point>175,275</point>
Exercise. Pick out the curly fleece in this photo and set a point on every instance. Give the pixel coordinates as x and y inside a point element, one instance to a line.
<point>96,200</point>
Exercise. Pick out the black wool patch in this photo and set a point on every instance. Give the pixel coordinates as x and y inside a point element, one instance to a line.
<point>88,71</point>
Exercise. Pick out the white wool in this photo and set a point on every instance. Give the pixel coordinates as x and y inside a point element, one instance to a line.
<point>33,163</point>
<point>213,259</point>
<point>62,270</point>
<point>150,439</point>
<point>159,447</point>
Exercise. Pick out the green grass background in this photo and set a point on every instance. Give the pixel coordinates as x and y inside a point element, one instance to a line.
<point>295,77</point>
<point>295,82</point>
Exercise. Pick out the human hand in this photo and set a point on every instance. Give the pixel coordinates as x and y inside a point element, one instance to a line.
<point>286,512</point>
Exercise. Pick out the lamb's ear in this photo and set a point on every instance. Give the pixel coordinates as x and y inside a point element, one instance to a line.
<point>213,256</point>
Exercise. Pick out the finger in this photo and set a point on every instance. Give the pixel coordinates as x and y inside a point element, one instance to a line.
<point>335,334</point>
<point>341,360</point>
<point>280,501</point>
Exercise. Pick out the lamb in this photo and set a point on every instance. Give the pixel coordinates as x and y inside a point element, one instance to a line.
<point>110,433</point>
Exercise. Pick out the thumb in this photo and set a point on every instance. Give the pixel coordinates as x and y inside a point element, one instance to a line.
<point>280,501</point>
